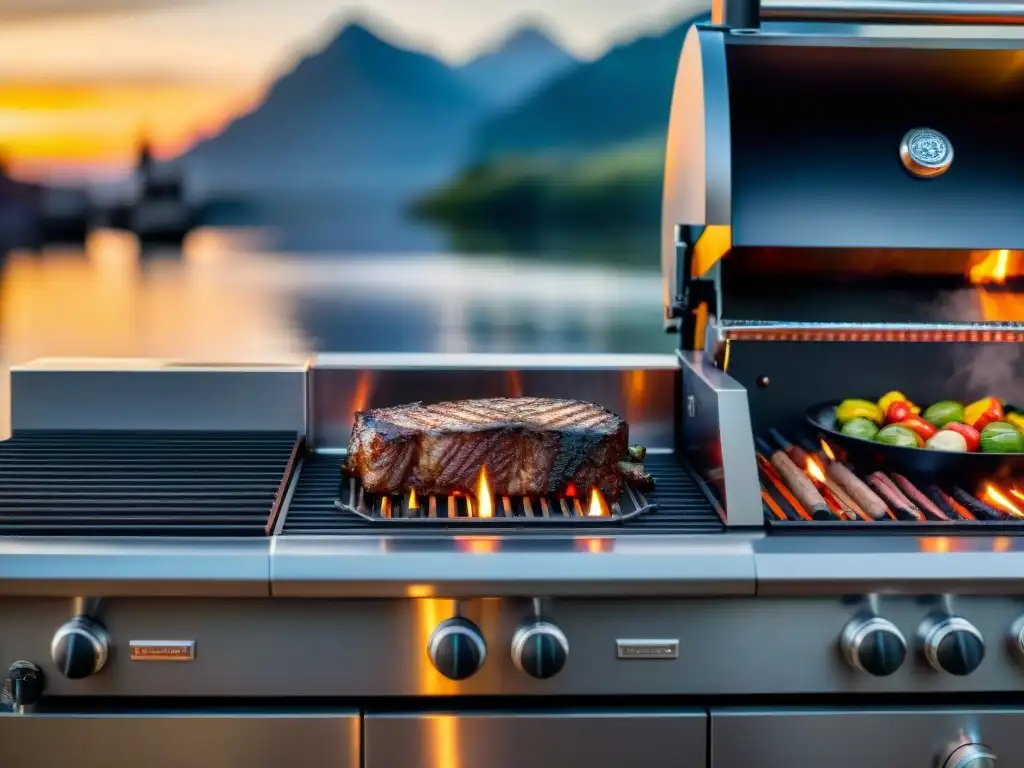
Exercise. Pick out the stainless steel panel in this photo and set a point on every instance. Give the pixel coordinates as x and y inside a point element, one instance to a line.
<point>717,437</point>
<point>894,11</point>
<point>215,739</point>
<point>855,738</point>
<point>116,567</point>
<point>156,394</point>
<point>824,565</point>
<point>539,740</point>
<point>363,648</point>
<point>640,388</point>
<point>381,566</point>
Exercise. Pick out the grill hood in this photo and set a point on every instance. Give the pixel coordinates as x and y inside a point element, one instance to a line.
<point>784,148</point>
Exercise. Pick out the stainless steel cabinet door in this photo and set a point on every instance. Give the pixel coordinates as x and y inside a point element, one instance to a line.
<point>857,738</point>
<point>198,740</point>
<point>674,739</point>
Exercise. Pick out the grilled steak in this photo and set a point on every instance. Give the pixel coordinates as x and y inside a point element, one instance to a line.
<point>531,446</point>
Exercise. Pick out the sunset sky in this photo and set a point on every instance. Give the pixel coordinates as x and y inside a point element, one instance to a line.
<point>80,78</point>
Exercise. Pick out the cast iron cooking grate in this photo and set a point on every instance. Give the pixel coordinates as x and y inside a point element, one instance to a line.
<point>682,504</point>
<point>86,483</point>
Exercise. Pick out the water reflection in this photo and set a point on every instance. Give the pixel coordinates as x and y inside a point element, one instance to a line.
<point>229,296</point>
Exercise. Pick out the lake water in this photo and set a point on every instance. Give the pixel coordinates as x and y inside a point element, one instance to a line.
<point>235,295</point>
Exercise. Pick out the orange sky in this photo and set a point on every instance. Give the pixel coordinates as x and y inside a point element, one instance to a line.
<point>77,87</point>
<point>49,126</point>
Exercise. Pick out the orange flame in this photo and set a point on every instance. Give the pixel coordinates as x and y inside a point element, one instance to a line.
<point>992,269</point>
<point>484,500</point>
<point>815,471</point>
<point>598,507</point>
<point>413,501</point>
<point>1017,493</point>
<point>827,449</point>
<point>997,498</point>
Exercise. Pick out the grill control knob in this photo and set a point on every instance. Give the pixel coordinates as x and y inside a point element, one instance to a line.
<point>23,686</point>
<point>873,645</point>
<point>457,648</point>
<point>968,756</point>
<point>539,649</point>
<point>953,645</point>
<point>80,648</point>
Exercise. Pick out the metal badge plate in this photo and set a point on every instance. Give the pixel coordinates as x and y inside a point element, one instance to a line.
<point>163,650</point>
<point>926,153</point>
<point>647,649</point>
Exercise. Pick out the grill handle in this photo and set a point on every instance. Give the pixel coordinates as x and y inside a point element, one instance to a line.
<point>747,14</point>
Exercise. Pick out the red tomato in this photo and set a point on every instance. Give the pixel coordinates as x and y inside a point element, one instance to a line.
<point>898,411</point>
<point>971,435</point>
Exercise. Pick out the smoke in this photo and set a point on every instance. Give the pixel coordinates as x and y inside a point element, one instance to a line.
<point>980,370</point>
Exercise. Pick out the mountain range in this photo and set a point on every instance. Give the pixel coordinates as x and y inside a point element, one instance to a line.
<point>364,114</point>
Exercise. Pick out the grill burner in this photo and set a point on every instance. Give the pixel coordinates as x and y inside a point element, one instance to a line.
<point>679,504</point>
<point>433,510</point>
<point>86,483</point>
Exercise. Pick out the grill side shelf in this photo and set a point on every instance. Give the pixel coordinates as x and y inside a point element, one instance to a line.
<point>142,483</point>
<point>679,506</point>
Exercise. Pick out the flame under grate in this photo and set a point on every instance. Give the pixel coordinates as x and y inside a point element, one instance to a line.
<point>467,509</point>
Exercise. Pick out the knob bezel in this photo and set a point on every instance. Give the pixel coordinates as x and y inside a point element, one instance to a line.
<point>856,632</point>
<point>90,631</point>
<point>965,755</point>
<point>527,632</point>
<point>457,627</point>
<point>935,632</point>
<point>1016,639</point>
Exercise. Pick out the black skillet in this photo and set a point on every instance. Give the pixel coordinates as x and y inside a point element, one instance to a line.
<point>918,462</point>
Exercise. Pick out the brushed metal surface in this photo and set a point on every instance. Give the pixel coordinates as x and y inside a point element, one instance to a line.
<point>225,738</point>
<point>155,394</point>
<point>66,567</point>
<point>697,187</point>
<point>894,11</point>
<point>645,739</point>
<point>639,388</point>
<point>556,566</point>
<point>854,738</point>
<point>278,648</point>
<point>823,565</point>
<point>718,439</point>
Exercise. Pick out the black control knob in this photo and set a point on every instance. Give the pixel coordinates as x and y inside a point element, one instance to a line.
<point>80,648</point>
<point>952,645</point>
<point>23,686</point>
<point>874,646</point>
<point>967,756</point>
<point>457,648</point>
<point>539,649</point>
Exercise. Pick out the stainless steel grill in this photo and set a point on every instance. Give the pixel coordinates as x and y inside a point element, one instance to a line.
<point>679,504</point>
<point>157,483</point>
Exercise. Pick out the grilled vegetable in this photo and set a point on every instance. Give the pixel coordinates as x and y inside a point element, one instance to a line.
<point>893,397</point>
<point>860,427</point>
<point>947,440</point>
<point>971,435</point>
<point>894,434</point>
<point>636,453</point>
<point>849,410</point>
<point>942,413</point>
<point>1000,437</point>
<point>898,411</point>
<point>982,413</point>
<point>1017,419</point>
<point>924,430</point>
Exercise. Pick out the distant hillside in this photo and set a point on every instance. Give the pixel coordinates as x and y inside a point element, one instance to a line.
<point>517,66</point>
<point>623,96</point>
<point>618,189</point>
<point>359,114</point>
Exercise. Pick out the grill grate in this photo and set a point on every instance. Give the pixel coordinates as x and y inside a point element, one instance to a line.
<point>682,507</point>
<point>86,483</point>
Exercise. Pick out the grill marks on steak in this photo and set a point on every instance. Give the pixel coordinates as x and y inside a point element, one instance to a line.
<point>530,446</point>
